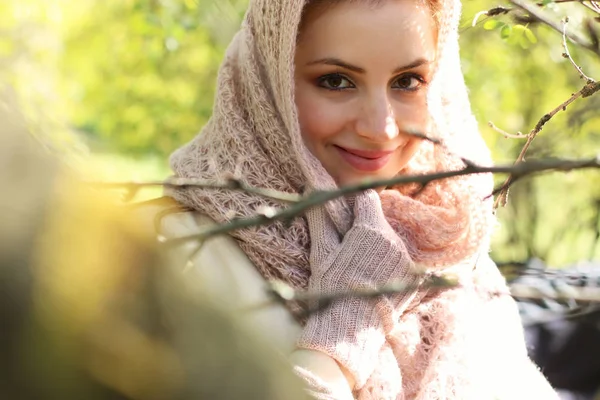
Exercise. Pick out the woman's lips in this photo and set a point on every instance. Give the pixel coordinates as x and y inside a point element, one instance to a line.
<point>365,160</point>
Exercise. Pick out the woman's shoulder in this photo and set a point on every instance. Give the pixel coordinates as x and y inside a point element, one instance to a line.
<point>219,267</point>
<point>165,217</point>
<point>172,222</point>
<point>180,230</point>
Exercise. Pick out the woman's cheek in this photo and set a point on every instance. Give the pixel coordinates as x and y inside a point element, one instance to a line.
<point>319,120</point>
<point>413,116</point>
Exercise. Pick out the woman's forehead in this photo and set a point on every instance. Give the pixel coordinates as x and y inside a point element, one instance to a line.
<point>357,31</point>
<point>316,7</point>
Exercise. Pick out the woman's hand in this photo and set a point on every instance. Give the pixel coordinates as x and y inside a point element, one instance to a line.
<point>352,330</point>
<point>370,254</point>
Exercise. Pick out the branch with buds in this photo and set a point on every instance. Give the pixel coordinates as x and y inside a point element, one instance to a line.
<point>298,204</point>
<point>590,87</point>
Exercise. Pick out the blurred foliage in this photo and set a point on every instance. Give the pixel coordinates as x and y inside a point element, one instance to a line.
<point>142,73</point>
<point>30,53</point>
<point>516,79</point>
<point>137,77</point>
<point>90,307</point>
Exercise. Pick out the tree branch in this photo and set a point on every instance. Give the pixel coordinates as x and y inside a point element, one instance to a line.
<point>582,2</point>
<point>229,184</point>
<point>315,302</point>
<point>529,292</point>
<point>536,14</point>
<point>282,293</point>
<point>519,135</point>
<point>589,89</point>
<point>297,209</point>
<point>566,54</point>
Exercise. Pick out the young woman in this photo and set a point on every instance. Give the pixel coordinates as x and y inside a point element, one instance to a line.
<point>319,94</point>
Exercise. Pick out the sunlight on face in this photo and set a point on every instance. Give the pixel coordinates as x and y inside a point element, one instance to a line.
<point>361,77</point>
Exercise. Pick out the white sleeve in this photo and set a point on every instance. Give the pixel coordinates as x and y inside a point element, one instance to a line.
<point>224,273</point>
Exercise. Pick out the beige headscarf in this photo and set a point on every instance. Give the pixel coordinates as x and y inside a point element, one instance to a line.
<point>254,136</point>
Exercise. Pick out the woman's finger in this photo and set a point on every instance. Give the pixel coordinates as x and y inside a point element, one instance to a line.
<point>368,210</point>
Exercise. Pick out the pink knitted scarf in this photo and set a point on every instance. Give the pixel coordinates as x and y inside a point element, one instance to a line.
<point>254,136</point>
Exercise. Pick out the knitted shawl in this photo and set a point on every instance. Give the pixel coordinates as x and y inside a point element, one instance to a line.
<point>254,136</point>
<point>462,344</point>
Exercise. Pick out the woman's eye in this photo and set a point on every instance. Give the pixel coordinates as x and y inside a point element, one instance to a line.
<point>409,82</point>
<point>335,82</point>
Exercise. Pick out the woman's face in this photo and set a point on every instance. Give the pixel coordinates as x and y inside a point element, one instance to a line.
<point>361,77</point>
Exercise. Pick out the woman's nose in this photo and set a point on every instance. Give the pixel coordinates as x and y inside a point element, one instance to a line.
<point>377,121</point>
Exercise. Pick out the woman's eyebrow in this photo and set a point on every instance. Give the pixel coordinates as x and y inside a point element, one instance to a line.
<point>417,63</point>
<point>339,63</point>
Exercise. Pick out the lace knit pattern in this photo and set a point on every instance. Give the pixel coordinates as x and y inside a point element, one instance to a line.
<point>460,344</point>
<point>253,135</point>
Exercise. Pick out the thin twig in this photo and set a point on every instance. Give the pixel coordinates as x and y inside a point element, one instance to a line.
<point>566,54</point>
<point>593,6</point>
<point>490,13</point>
<point>282,293</point>
<point>420,135</point>
<point>589,89</point>
<point>297,209</point>
<point>132,188</point>
<point>230,184</point>
<point>391,288</point>
<point>519,135</point>
<point>582,2</point>
<point>540,16</point>
<point>528,292</point>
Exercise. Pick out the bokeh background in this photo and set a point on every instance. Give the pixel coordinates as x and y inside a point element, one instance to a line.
<point>114,86</point>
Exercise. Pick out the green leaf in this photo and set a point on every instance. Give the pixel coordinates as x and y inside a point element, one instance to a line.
<point>530,35</point>
<point>492,24</point>
<point>506,31</point>
<point>524,42</point>
<point>519,29</point>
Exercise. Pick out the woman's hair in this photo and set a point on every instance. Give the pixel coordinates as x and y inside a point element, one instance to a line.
<point>313,6</point>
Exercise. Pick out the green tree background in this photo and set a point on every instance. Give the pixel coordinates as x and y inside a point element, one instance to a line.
<point>120,84</point>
